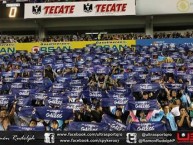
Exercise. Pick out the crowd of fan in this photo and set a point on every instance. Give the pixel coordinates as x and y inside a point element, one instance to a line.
<point>89,37</point>
<point>104,70</point>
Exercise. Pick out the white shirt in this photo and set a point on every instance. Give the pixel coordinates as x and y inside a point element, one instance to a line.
<point>175,111</point>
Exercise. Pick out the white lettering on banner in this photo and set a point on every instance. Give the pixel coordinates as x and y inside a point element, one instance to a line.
<point>4,101</point>
<point>16,86</point>
<point>79,9</point>
<point>56,101</point>
<point>54,115</point>
<point>58,86</point>
<point>73,106</point>
<point>24,92</point>
<point>38,82</point>
<point>117,95</point>
<point>89,127</point>
<point>39,96</point>
<point>190,88</point>
<point>145,86</point>
<point>142,105</point>
<point>145,127</point>
<point>95,94</point>
<point>74,94</point>
<point>117,126</point>
<point>120,101</point>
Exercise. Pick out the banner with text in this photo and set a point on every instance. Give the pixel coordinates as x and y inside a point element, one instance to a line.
<point>51,46</point>
<point>79,9</point>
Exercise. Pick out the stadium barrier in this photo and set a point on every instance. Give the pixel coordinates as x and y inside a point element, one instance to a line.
<point>146,42</point>
<point>119,44</point>
<point>51,46</point>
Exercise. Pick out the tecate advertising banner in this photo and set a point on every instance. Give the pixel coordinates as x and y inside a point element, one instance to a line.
<point>79,9</point>
<point>157,7</point>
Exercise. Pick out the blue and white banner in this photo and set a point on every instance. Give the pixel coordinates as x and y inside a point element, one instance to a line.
<point>74,106</point>
<point>102,70</point>
<point>25,128</point>
<point>35,80</point>
<point>106,102</point>
<point>76,82</point>
<point>94,94</point>
<point>190,88</point>
<point>87,126</point>
<point>55,101</point>
<point>63,79</point>
<point>174,86</point>
<point>23,92</point>
<point>48,61</point>
<point>149,126</point>
<point>168,70</point>
<point>38,67</point>
<point>7,74</point>
<point>139,69</point>
<point>49,113</point>
<point>113,124</point>
<point>8,79</point>
<point>4,101</point>
<point>168,65</point>
<point>146,87</point>
<point>58,86</point>
<point>120,76</point>
<point>26,111</point>
<point>17,85</point>
<point>58,66</point>
<point>22,101</point>
<point>74,94</point>
<point>177,41</point>
<point>39,96</point>
<point>142,105</point>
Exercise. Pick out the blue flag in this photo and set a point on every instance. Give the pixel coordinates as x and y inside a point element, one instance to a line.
<point>146,87</point>
<point>74,106</point>
<point>87,126</point>
<point>142,105</point>
<point>106,102</point>
<point>153,126</point>
<point>25,128</point>
<point>113,124</point>
<point>49,113</point>
<point>94,94</point>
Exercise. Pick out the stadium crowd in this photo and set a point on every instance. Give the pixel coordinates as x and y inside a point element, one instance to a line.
<point>88,37</point>
<point>97,86</point>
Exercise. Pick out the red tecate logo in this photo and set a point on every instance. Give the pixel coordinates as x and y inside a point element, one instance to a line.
<point>111,7</point>
<point>63,9</point>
